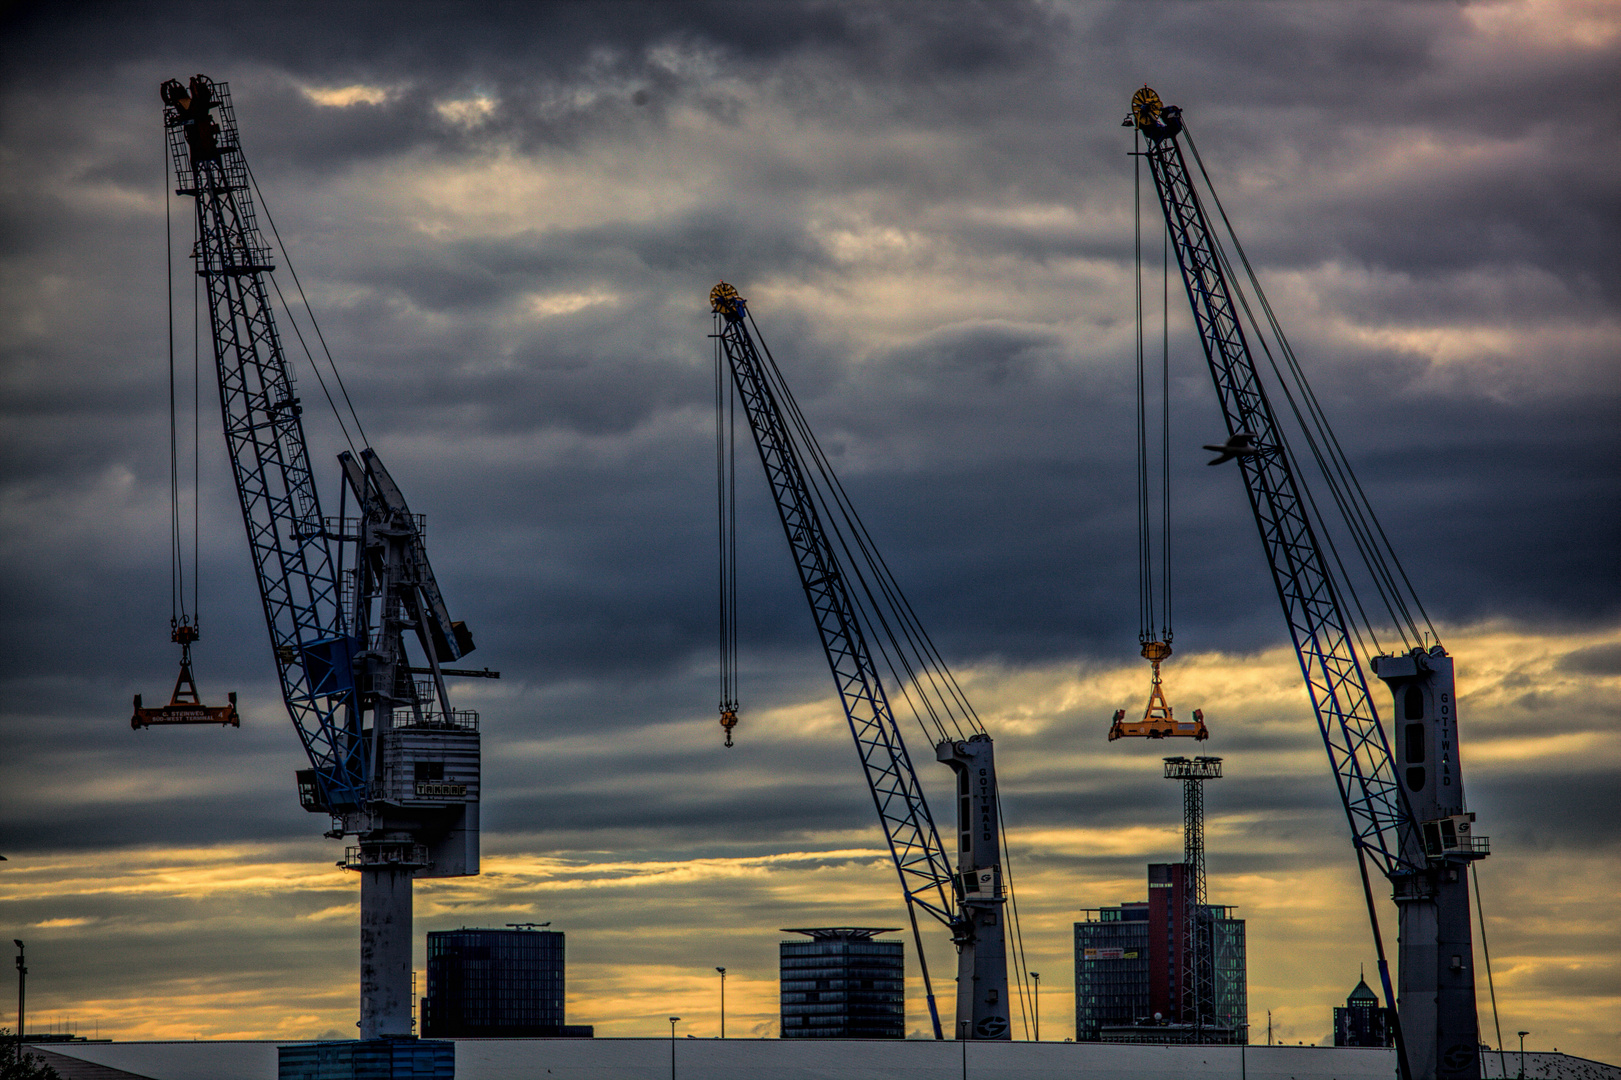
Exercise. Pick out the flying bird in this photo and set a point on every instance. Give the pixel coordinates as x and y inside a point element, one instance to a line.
<point>1242,444</point>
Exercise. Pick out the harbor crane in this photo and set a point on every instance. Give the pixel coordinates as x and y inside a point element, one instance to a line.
<point>391,762</point>
<point>1405,802</point>
<point>853,598</point>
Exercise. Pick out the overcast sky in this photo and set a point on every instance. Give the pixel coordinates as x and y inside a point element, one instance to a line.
<point>508,218</point>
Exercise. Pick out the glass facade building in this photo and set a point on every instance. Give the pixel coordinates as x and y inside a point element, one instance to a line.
<point>1129,962</point>
<point>843,984</point>
<point>1232,977</point>
<point>496,983</point>
<point>1111,968</point>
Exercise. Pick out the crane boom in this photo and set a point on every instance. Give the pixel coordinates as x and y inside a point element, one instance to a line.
<point>390,769</point>
<point>264,435</point>
<point>969,900</point>
<point>1405,807</point>
<point>1339,691</point>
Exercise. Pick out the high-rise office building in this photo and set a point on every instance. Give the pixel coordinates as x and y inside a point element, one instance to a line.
<point>1362,1022</point>
<point>1131,964</point>
<point>843,984</point>
<point>496,983</point>
<point>1111,968</point>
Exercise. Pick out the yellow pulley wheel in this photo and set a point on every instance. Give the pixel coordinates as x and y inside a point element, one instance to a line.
<point>723,298</point>
<point>1146,107</point>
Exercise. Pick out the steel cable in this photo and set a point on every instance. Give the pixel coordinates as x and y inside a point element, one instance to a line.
<point>1145,557</point>
<point>1379,558</point>
<point>316,326</point>
<point>900,635</point>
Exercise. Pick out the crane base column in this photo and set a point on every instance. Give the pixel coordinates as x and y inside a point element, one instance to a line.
<point>385,945</point>
<point>1436,978</point>
<point>983,1008</point>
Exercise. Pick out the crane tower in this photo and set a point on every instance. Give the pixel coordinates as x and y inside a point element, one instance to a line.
<point>1405,805</point>
<point>391,762</point>
<point>972,900</point>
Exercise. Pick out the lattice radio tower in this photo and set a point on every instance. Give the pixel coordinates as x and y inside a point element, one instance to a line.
<point>1198,932</point>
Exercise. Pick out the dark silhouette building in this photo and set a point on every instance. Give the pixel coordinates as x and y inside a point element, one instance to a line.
<point>1131,962</point>
<point>1362,1022</point>
<point>842,984</point>
<point>496,983</point>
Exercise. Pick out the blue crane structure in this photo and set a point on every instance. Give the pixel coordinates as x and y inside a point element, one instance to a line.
<point>390,761</point>
<point>969,900</point>
<point>1405,804</point>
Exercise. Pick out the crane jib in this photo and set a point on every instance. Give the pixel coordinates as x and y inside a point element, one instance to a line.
<point>920,858</point>
<point>1404,804</point>
<point>1347,718</point>
<point>970,900</point>
<point>298,585</point>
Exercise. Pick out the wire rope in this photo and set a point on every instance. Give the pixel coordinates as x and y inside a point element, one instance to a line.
<point>314,324</point>
<point>196,447</point>
<point>1165,427</point>
<point>1154,615</point>
<point>1348,512</point>
<point>1384,568</point>
<point>1339,578</point>
<point>1342,582</point>
<point>178,614</point>
<point>299,334</point>
<point>176,592</point>
<point>1147,631</point>
<point>1022,967</point>
<point>913,650</point>
<point>1480,914</point>
<point>726,527</point>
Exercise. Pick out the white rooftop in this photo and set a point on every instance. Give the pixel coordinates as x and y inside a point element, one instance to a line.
<point>807,1059</point>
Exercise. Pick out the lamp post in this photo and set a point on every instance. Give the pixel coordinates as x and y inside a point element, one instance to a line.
<point>722,1001</point>
<point>1036,976</point>
<point>1523,1034</point>
<point>673,1021</point>
<point>22,984</point>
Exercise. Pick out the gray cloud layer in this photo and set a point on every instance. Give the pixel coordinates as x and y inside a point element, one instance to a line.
<point>510,248</point>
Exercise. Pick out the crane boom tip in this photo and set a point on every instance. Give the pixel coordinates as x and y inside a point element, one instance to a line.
<point>724,300</point>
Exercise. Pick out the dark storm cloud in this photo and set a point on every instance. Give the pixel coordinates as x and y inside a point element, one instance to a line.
<point>608,371</point>
<point>1594,660</point>
<point>463,278</point>
<point>557,70</point>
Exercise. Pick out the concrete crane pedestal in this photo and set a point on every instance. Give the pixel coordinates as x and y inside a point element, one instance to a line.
<point>385,951</point>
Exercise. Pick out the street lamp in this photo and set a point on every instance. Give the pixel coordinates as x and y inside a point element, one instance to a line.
<point>1523,1034</point>
<point>673,1021</point>
<point>22,984</point>
<point>1036,975</point>
<point>722,1001</point>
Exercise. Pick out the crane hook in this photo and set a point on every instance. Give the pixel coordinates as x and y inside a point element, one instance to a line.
<point>1158,722</point>
<point>185,704</point>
